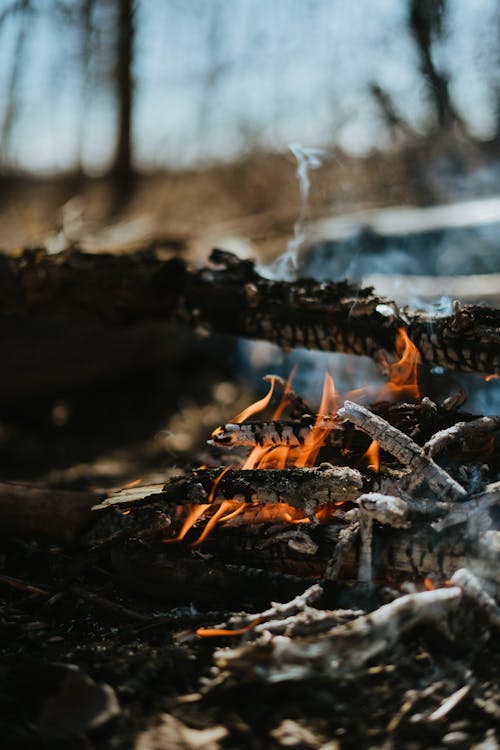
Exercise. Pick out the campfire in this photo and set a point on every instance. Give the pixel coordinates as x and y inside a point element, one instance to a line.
<point>313,540</point>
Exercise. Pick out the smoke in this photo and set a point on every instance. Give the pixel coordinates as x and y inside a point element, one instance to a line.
<point>307,158</point>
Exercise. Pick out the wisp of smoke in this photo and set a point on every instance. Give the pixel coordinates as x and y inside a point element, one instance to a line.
<point>286,266</point>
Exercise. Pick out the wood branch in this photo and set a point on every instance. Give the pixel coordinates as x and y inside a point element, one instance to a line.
<point>402,447</point>
<point>342,650</point>
<point>232,298</point>
<point>475,590</point>
<point>306,489</point>
<point>461,432</point>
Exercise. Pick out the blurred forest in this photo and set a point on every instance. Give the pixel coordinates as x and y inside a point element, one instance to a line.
<point>117,89</point>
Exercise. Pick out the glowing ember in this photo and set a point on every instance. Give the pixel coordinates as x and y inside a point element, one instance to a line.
<point>224,633</point>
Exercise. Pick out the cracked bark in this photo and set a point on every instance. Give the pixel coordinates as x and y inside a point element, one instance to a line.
<point>230,297</point>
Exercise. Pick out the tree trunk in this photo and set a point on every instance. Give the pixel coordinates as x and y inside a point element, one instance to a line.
<point>122,169</point>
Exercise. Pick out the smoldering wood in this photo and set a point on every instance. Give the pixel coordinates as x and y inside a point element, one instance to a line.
<point>461,432</point>
<point>402,447</point>
<point>230,297</point>
<point>385,509</point>
<point>292,433</point>
<point>344,649</point>
<point>306,489</point>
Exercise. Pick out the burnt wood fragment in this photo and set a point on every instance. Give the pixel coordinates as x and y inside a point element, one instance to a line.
<point>306,489</point>
<point>230,297</point>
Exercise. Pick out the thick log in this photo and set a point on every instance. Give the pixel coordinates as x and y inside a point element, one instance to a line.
<point>232,298</point>
<point>49,515</point>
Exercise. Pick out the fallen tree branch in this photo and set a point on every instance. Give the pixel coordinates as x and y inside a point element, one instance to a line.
<point>232,298</point>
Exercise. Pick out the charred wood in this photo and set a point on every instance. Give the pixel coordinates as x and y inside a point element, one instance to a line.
<point>306,489</point>
<point>232,298</point>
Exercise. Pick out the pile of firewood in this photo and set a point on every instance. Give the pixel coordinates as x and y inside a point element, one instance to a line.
<point>420,524</point>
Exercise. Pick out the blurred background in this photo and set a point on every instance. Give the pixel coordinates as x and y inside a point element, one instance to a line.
<point>363,139</point>
<point>404,95</point>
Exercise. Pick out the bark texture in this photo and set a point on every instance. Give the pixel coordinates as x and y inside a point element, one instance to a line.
<point>230,297</point>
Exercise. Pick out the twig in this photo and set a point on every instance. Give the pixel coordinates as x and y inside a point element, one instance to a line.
<point>17,583</point>
<point>478,428</point>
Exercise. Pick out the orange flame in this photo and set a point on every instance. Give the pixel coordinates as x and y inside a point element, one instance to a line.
<point>308,454</point>
<point>256,406</point>
<point>372,456</point>
<point>403,374</point>
<point>288,387</point>
<point>223,632</point>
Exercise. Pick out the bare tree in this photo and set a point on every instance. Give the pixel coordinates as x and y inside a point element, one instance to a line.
<point>426,19</point>
<point>22,9</point>
<point>122,168</point>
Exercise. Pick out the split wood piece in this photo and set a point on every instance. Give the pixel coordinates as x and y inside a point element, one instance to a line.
<point>461,431</point>
<point>291,433</point>
<point>57,516</point>
<point>344,649</point>
<point>306,489</point>
<point>405,450</point>
<point>385,509</point>
<point>232,298</point>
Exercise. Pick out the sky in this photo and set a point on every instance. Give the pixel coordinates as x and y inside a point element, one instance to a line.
<point>214,78</point>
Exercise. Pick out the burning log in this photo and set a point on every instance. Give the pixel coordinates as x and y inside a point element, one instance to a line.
<point>292,433</point>
<point>306,489</point>
<point>232,298</point>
